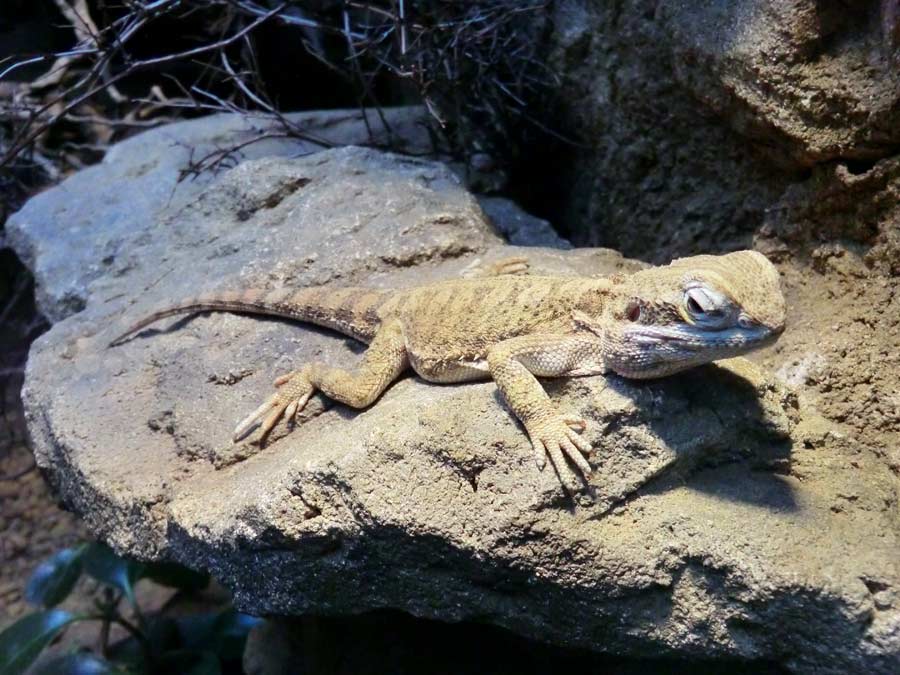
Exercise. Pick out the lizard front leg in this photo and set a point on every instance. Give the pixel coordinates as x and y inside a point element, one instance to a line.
<point>382,363</point>
<point>513,365</point>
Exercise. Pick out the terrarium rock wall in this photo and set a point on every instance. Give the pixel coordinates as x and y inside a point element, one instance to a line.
<point>705,121</point>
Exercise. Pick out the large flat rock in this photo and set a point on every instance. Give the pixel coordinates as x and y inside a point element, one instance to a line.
<point>723,519</point>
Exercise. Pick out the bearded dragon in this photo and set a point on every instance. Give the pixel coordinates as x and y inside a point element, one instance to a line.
<point>514,329</point>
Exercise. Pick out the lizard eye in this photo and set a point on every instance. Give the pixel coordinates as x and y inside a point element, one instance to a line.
<point>700,302</point>
<point>705,305</point>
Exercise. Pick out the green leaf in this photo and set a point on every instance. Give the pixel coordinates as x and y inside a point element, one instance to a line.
<point>197,631</point>
<point>105,566</point>
<point>113,570</point>
<point>22,642</point>
<point>231,629</point>
<point>224,633</point>
<point>54,578</point>
<point>78,663</point>
<point>175,576</point>
<point>189,662</point>
<point>161,634</point>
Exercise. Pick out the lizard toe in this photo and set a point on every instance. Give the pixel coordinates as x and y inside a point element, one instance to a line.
<point>284,379</point>
<point>250,420</point>
<point>271,420</point>
<point>574,454</point>
<point>580,442</point>
<point>540,455</point>
<point>511,266</point>
<point>554,438</point>
<point>575,422</point>
<point>565,474</point>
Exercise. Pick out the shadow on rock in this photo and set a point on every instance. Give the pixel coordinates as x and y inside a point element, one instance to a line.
<point>702,422</point>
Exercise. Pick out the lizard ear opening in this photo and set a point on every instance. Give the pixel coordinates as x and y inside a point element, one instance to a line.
<point>633,311</point>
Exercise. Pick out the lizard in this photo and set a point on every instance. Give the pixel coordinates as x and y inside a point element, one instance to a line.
<point>517,328</point>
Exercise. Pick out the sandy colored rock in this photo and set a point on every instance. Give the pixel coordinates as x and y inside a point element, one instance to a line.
<point>726,520</point>
<point>702,117</point>
<point>816,80</point>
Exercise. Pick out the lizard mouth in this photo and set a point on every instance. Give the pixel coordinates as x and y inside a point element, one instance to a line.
<point>695,339</point>
<point>656,351</point>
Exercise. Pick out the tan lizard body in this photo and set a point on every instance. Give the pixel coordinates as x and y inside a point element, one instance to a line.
<point>513,328</point>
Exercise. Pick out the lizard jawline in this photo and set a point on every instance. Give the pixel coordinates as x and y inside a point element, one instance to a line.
<point>697,340</point>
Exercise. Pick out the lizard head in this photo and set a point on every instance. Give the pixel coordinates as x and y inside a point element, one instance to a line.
<point>693,311</point>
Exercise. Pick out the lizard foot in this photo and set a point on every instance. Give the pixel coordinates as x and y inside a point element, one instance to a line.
<point>294,390</point>
<point>511,265</point>
<point>559,438</point>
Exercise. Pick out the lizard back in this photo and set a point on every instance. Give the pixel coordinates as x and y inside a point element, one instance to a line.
<point>460,319</point>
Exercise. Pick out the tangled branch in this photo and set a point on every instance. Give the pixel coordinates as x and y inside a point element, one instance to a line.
<point>474,63</point>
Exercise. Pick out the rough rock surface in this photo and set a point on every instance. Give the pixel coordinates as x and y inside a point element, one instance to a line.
<point>699,115</point>
<point>839,208</point>
<point>154,181</point>
<point>814,80</point>
<point>729,519</point>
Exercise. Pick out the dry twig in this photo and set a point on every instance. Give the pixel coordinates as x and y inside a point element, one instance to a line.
<point>474,63</point>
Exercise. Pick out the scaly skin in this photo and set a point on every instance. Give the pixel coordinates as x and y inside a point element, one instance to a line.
<point>515,328</point>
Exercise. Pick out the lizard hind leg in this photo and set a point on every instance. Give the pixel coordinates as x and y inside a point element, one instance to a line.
<point>382,363</point>
<point>505,266</point>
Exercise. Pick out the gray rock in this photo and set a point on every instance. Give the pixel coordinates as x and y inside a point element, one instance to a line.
<point>726,520</point>
<point>153,180</point>
<point>519,227</point>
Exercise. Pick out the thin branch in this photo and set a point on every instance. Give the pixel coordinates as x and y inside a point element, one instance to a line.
<point>474,64</point>
<point>18,144</point>
<point>19,64</point>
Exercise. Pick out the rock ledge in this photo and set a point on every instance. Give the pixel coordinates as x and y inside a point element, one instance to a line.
<point>726,522</point>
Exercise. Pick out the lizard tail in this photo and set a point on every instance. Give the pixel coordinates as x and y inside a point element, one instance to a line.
<point>351,311</point>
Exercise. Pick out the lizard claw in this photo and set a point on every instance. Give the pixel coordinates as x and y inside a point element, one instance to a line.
<point>291,410</point>
<point>294,390</point>
<point>559,439</point>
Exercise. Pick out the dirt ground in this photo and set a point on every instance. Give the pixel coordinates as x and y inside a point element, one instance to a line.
<point>32,527</point>
<point>841,348</point>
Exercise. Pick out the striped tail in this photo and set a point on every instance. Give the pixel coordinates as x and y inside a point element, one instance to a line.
<point>351,311</point>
